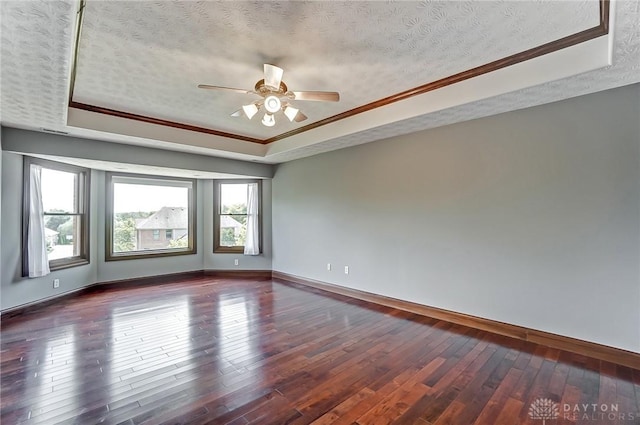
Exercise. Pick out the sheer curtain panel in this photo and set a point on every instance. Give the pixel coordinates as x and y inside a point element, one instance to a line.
<point>252,242</point>
<point>36,238</point>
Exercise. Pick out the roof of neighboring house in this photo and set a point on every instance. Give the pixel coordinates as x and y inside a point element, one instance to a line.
<point>165,218</point>
<point>49,233</point>
<point>226,221</point>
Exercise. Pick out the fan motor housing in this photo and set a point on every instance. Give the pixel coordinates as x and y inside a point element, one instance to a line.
<point>265,90</point>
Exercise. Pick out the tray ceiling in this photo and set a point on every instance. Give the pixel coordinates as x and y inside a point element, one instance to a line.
<point>147,58</point>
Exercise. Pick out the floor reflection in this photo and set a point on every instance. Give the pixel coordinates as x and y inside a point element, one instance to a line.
<point>249,352</point>
<point>239,341</point>
<point>147,339</point>
<point>55,376</point>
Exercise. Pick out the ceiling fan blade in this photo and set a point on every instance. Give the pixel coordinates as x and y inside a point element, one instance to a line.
<point>272,76</point>
<point>321,96</point>
<point>237,113</point>
<point>209,87</point>
<point>300,117</point>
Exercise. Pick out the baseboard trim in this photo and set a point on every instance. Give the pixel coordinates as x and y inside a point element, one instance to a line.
<point>97,286</point>
<point>26,308</point>
<point>244,274</point>
<point>147,280</point>
<point>574,345</point>
<point>130,283</point>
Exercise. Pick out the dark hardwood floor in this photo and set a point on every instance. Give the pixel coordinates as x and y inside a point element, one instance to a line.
<point>242,351</point>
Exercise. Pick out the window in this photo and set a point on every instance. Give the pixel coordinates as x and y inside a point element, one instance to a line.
<point>65,207</point>
<point>149,216</point>
<point>231,214</point>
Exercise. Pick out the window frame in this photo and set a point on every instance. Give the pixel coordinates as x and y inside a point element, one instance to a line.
<point>217,204</point>
<point>83,192</point>
<point>191,248</point>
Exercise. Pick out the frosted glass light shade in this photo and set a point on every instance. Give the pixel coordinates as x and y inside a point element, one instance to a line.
<point>250,110</point>
<point>290,112</point>
<point>268,120</point>
<point>272,104</point>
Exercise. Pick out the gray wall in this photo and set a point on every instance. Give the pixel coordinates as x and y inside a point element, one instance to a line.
<point>530,217</point>
<point>225,261</point>
<point>16,290</point>
<point>125,269</point>
<point>31,142</point>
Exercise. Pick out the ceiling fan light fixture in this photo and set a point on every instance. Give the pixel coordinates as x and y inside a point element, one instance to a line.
<point>250,110</point>
<point>268,120</point>
<point>274,97</point>
<point>272,104</point>
<point>291,112</point>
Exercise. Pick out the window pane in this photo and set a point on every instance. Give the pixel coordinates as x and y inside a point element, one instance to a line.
<point>63,236</point>
<point>65,199</point>
<point>233,230</point>
<point>233,198</point>
<point>230,220</point>
<point>233,209</point>
<point>59,191</point>
<point>145,214</point>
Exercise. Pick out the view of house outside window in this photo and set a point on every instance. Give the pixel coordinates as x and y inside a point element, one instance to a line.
<point>233,214</point>
<point>150,217</point>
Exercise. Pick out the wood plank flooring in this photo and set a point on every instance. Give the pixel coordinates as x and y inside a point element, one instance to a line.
<point>246,351</point>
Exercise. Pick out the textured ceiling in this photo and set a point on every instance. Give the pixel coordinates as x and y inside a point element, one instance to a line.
<point>625,70</point>
<point>147,58</point>
<point>35,63</point>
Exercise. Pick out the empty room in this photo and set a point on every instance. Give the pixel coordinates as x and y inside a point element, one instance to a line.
<point>320,212</point>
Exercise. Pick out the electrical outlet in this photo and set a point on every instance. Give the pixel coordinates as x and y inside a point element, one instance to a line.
<point>329,266</point>
<point>346,269</point>
<point>56,283</point>
<point>235,262</point>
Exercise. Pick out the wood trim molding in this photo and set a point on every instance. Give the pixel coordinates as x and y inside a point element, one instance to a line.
<point>571,40</point>
<point>145,280</point>
<point>241,274</point>
<point>574,345</point>
<point>158,121</point>
<point>93,287</point>
<point>24,309</point>
<point>217,209</point>
<point>192,231</point>
<point>562,43</point>
<point>129,283</point>
<point>83,212</point>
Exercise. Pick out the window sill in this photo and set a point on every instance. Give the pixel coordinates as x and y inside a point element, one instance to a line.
<point>147,254</point>
<point>229,250</point>
<point>67,263</point>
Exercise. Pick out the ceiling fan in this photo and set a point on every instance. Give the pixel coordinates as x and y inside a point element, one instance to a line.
<point>275,97</point>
